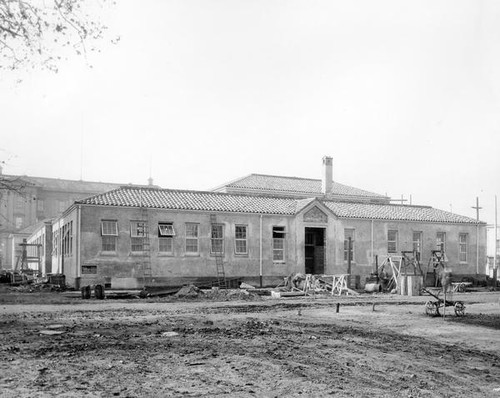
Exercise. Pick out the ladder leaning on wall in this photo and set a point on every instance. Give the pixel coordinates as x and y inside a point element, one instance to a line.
<point>217,251</point>
<point>147,274</point>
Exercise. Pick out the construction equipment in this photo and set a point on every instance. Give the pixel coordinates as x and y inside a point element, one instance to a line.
<point>218,252</point>
<point>432,307</point>
<point>143,231</point>
<point>437,260</point>
<point>30,259</point>
<point>389,272</point>
<point>410,263</point>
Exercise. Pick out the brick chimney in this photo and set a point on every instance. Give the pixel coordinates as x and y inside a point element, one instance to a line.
<point>327,180</point>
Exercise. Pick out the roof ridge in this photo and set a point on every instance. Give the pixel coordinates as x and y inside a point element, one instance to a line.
<point>290,177</point>
<point>63,179</point>
<point>160,189</point>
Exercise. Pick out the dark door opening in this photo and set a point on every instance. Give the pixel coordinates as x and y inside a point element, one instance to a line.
<point>314,248</point>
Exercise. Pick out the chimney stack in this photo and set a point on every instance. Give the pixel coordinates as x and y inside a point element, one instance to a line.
<point>327,180</point>
<point>150,181</point>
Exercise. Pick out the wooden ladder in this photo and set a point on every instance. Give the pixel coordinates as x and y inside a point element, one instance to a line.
<point>219,261</point>
<point>147,273</point>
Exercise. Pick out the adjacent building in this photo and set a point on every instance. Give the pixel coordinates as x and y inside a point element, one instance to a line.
<point>37,199</point>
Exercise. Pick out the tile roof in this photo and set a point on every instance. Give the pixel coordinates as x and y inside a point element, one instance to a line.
<point>237,203</point>
<point>392,212</point>
<point>291,185</point>
<point>193,200</point>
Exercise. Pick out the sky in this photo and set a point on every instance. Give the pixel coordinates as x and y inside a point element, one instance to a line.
<point>403,95</point>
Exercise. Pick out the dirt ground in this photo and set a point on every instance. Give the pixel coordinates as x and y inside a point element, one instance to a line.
<point>247,346</point>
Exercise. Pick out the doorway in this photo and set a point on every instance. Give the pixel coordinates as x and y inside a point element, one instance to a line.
<point>314,249</point>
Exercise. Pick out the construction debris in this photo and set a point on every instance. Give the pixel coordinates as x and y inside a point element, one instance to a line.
<point>189,291</point>
<point>308,284</point>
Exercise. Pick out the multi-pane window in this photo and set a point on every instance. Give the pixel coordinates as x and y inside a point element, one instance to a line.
<point>417,241</point>
<point>192,238</point>
<point>348,233</point>
<point>166,233</point>
<point>240,239</point>
<point>138,231</point>
<point>462,247</point>
<point>217,238</point>
<point>109,234</point>
<point>441,241</point>
<point>392,241</point>
<point>67,239</point>
<point>20,203</point>
<point>279,244</point>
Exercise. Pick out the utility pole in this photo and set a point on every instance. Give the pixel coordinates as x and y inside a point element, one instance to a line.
<point>477,233</point>
<point>495,254</point>
<point>477,208</point>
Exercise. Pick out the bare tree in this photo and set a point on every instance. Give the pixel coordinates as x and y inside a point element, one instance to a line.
<point>34,32</point>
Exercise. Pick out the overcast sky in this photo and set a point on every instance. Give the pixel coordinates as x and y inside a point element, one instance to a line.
<point>404,95</point>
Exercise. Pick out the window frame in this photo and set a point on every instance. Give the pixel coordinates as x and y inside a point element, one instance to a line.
<point>419,241</point>
<point>346,242</point>
<point>464,245</point>
<point>217,239</point>
<point>137,236</point>
<point>439,241</point>
<point>390,241</point>
<point>166,238</point>
<point>189,239</point>
<point>168,229</point>
<point>279,230</point>
<point>109,238</point>
<point>241,240</point>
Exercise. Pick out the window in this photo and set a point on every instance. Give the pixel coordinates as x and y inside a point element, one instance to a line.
<point>392,241</point>
<point>19,222</point>
<point>192,238</point>
<point>348,233</point>
<point>109,228</point>
<point>109,233</point>
<point>417,241</point>
<point>138,231</point>
<point>441,241</point>
<point>217,237</point>
<point>20,203</point>
<point>39,205</point>
<point>278,244</point>
<point>462,247</point>
<point>166,233</point>
<point>89,269</point>
<point>240,239</point>
<point>67,239</point>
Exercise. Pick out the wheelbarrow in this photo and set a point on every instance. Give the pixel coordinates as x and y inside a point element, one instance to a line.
<point>432,307</point>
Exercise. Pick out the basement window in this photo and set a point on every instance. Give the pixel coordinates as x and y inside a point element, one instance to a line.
<point>89,269</point>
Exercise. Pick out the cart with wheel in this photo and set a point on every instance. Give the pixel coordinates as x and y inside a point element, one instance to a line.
<point>432,307</point>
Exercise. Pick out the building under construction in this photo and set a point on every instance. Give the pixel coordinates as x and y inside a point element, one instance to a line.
<point>257,229</point>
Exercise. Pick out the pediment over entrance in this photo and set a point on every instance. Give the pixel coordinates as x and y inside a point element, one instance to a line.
<point>315,215</point>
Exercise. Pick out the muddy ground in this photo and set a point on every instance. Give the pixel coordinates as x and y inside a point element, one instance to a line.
<point>247,346</point>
